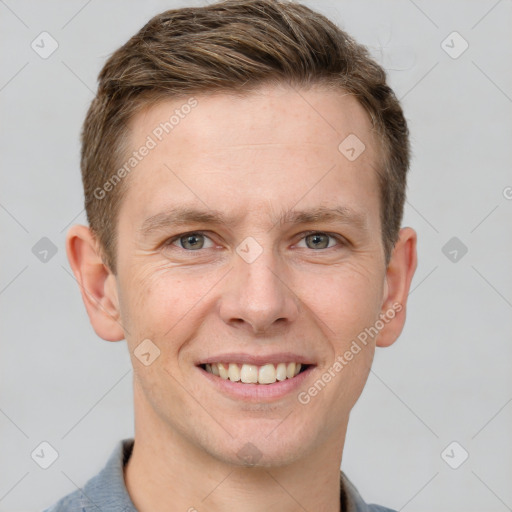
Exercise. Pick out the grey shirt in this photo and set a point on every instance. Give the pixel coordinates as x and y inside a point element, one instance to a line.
<point>106,492</point>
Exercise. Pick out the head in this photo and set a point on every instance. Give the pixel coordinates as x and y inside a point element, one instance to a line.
<point>264,118</point>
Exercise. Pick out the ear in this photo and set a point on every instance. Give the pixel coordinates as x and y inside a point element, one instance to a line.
<point>399,274</point>
<point>97,283</point>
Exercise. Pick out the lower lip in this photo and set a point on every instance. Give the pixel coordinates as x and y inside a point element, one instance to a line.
<point>257,392</point>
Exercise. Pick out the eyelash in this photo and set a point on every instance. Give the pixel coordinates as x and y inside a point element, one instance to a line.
<point>341,241</point>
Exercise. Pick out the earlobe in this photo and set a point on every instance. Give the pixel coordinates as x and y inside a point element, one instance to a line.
<point>97,283</point>
<point>399,275</point>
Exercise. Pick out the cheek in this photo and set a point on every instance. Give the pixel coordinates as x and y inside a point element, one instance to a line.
<point>347,298</point>
<point>161,301</point>
<point>156,298</point>
<point>149,300</point>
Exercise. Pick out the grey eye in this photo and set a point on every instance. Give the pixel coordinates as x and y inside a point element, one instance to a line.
<point>192,241</point>
<point>317,241</point>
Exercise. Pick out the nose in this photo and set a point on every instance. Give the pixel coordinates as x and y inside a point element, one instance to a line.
<point>257,297</point>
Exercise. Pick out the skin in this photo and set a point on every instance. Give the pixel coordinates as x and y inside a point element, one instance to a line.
<point>251,158</point>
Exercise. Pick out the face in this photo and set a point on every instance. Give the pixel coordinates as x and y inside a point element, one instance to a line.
<point>256,277</point>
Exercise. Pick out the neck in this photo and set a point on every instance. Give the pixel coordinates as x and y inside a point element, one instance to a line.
<point>167,472</point>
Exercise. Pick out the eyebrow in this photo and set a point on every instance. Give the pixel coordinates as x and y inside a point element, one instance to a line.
<point>183,215</point>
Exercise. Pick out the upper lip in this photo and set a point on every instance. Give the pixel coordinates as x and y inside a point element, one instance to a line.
<point>258,360</point>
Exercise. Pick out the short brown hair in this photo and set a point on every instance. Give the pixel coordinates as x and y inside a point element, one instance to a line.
<point>234,46</point>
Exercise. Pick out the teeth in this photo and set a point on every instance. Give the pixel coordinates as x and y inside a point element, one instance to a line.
<point>281,371</point>
<point>267,374</point>
<point>223,371</point>
<point>252,374</point>
<point>249,374</point>
<point>234,372</point>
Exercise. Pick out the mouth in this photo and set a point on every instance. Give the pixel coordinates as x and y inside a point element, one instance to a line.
<point>256,379</point>
<point>265,374</point>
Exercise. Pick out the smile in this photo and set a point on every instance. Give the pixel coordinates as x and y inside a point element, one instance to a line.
<point>253,374</point>
<point>257,378</point>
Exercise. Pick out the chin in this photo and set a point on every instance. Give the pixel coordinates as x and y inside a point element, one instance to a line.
<point>262,444</point>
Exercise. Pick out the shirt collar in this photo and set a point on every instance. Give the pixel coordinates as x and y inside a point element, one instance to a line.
<point>353,500</point>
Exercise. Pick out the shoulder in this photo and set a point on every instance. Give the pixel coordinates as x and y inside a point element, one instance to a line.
<point>76,501</point>
<point>105,491</point>
<point>353,500</point>
<point>93,496</point>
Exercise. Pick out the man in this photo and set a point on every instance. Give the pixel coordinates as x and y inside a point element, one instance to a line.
<point>244,167</point>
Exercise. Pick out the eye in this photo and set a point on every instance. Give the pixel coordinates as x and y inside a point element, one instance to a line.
<point>319,240</point>
<point>191,241</point>
<point>197,240</point>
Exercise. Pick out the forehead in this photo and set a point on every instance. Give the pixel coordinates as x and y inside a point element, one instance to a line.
<point>269,114</point>
<point>274,139</point>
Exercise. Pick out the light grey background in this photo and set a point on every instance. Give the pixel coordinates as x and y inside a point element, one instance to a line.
<point>449,376</point>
